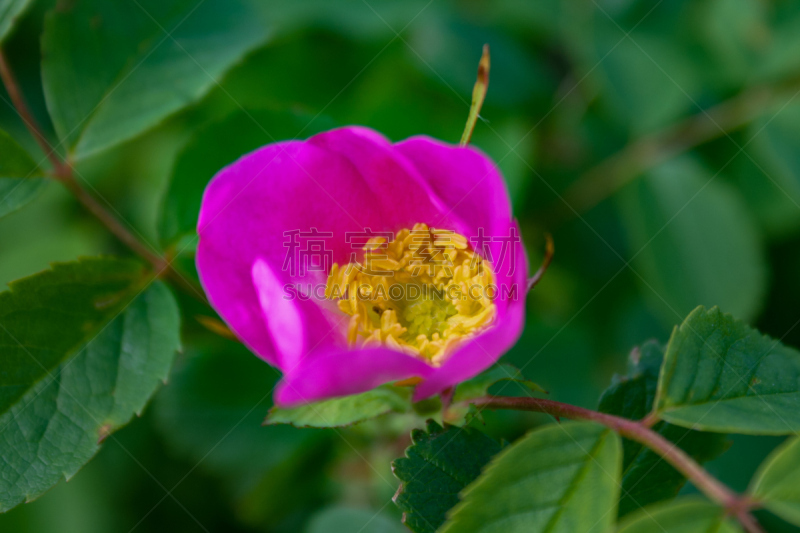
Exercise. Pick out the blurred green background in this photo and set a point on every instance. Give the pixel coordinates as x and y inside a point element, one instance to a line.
<point>659,142</point>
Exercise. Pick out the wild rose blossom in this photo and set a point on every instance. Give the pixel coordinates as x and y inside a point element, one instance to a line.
<point>429,216</point>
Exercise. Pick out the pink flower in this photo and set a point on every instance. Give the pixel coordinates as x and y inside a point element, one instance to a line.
<point>273,224</point>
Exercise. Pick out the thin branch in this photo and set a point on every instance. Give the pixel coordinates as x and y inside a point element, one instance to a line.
<point>161,266</point>
<point>25,114</point>
<point>650,420</point>
<point>63,172</point>
<point>549,252</point>
<point>748,521</point>
<point>736,505</point>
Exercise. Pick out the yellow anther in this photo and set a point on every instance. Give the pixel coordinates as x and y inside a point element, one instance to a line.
<point>374,243</point>
<point>383,263</point>
<point>373,340</point>
<point>345,307</point>
<point>423,293</point>
<point>352,330</point>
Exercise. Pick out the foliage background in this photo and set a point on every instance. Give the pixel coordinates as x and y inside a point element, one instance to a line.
<point>703,208</point>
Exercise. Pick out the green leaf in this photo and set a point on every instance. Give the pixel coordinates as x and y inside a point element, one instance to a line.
<point>113,70</point>
<point>721,375</point>
<point>631,396</point>
<point>685,228</point>
<point>776,485</point>
<point>20,176</point>
<point>769,173</point>
<point>205,155</point>
<point>345,16</point>
<point>646,477</point>
<point>561,478</point>
<point>438,465</point>
<point>479,385</point>
<point>335,519</point>
<point>57,424</point>
<point>10,11</point>
<point>687,515</point>
<point>344,411</point>
<point>46,317</point>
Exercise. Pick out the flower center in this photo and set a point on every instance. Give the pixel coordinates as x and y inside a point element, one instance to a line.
<point>423,293</point>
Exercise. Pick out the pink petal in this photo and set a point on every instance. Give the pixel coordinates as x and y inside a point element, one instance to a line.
<point>340,182</point>
<point>402,195</point>
<point>343,181</point>
<point>344,372</point>
<point>466,180</point>
<point>282,316</point>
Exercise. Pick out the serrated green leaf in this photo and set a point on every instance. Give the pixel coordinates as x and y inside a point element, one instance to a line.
<point>684,226</point>
<point>479,385</point>
<point>20,177</point>
<point>722,375</point>
<point>344,411</point>
<point>561,478</point>
<point>205,155</point>
<point>646,477</point>
<point>631,396</point>
<point>47,317</point>
<point>113,70</point>
<point>776,483</point>
<point>58,423</point>
<point>439,464</point>
<point>10,11</point>
<point>687,515</point>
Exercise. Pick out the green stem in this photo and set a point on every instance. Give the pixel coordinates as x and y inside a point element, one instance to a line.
<point>478,95</point>
<point>735,504</point>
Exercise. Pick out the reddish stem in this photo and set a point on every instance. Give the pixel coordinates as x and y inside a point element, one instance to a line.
<point>549,251</point>
<point>736,505</point>
<point>25,114</point>
<point>62,171</point>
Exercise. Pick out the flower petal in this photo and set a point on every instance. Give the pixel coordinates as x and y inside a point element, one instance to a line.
<point>246,210</point>
<point>343,372</point>
<point>339,182</point>
<point>403,195</point>
<point>466,181</point>
<point>283,317</point>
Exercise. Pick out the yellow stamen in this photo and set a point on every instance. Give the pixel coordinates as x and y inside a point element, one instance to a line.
<point>423,293</point>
